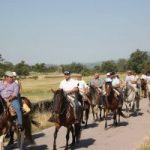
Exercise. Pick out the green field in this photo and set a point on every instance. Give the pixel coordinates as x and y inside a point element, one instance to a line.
<point>40,89</point>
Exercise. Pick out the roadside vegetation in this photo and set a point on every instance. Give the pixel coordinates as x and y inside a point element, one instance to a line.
<point>38,80</point>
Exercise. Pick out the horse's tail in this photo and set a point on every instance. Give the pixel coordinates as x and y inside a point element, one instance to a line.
<point>121,113</point>
<point>77,131</point>
<point>37,124</point>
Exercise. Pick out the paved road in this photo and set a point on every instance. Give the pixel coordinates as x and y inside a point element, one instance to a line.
<point>127,136</point>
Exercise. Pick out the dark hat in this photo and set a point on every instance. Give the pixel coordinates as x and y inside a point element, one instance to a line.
<point>67,72</point>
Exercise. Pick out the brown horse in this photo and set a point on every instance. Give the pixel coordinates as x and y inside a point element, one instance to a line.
<point>143,88</point>
<point>8,124</point>
<point>95,95</point>
<point>111,104</point>
<point>86,103</point>
<point>65,117</point>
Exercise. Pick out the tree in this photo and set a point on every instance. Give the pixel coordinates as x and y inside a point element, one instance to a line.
<point>122,65</point>
<point>22,68</point>
<point>109,66</point>
<point>136,60</point>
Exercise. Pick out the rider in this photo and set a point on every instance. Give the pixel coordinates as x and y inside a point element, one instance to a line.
<point>130,81</point>
<point>9,91</point>
<point>98,83</point>
<point>116,84</point>
<point>83,88</point>
<point>70,87</point>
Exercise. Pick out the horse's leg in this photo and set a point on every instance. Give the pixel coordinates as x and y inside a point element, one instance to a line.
<point>67,138</point>
<point>87,117</point>
<point>20,137</point>
<point>73,135</point>
<point>119,110</point>
<point>55,136</point>
<point>92,107</point>
<point>106,114</point>
<point>11,141</point>
<point>2,142</point>
<point>115,118</point>
<point>28,129</point>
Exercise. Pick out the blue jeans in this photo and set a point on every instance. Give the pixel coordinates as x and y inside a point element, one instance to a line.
<point>16,105</point>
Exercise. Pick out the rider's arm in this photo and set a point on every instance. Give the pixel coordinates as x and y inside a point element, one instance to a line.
<point>15,93</point>
<point>74,90</point>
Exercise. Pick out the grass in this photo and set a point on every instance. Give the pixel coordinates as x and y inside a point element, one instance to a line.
<point>146,144</point>
<point>40,89</point>
<point>42,118</point>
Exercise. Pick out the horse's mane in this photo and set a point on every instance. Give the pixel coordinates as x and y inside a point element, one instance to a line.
<point>93,90</point>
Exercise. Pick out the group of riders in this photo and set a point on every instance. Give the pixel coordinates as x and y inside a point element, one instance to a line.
<point>76,90</point>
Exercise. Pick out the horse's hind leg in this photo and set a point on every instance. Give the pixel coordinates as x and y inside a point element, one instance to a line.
<point>73,135</point>
<point>67,138</point>
<point>28,129</point>
<point>87,117</point>
<point>55,136</point>
<point>92,107</point>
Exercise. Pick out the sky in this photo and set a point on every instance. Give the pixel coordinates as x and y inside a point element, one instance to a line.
<point>66,31</point>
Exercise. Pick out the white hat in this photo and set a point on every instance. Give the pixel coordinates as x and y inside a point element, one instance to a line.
<point>9,74</point>
<point>14,74</point>
<point>108,74</point>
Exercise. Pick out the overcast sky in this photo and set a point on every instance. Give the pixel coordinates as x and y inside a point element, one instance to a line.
<point>65,31</point>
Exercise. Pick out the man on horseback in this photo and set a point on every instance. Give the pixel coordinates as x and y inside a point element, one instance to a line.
<point>9,91</point>
<point>83,88</point>
<point>70,88</point>
<point>116,84</point>
<point>98,83</point>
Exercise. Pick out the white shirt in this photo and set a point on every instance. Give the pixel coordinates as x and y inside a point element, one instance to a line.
<point>115,82</point>
<point>129,79</point>
<point>148,78</point>
<point>67,85</point>
<point>143,76</point>
<point>108,79</point>
<point>82,85</point>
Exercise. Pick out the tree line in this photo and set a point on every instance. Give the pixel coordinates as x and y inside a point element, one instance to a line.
<point>139,61</point>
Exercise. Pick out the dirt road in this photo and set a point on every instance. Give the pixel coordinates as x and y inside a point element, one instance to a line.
<point>129,134</point>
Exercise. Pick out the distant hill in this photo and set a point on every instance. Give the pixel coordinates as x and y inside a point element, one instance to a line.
<point>92,64</point>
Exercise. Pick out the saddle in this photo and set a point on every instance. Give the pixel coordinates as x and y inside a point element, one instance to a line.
<point>25,109</point>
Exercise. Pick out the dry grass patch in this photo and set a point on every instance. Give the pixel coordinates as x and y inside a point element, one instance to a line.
<point>42,118</point>
<point>146,144</point>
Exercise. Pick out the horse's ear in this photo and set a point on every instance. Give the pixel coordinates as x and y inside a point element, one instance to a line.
<point>53,91</point>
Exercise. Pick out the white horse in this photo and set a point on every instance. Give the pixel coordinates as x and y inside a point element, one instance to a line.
<point>148,94</point>
<point>130,98</point>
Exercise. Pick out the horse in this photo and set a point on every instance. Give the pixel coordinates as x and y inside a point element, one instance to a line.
<point>111,103</point>
<point>95,95</point>
<point>8,124</point>
<point>148,92</point>
<point>65,117</point>
<point>86,103</point>
<point>131,99</point>
<point>143,88</point>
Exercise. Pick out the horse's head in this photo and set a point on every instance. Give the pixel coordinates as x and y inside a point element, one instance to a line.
<point>94,94</point>
<point>59,100</point>
<point>108,88</point>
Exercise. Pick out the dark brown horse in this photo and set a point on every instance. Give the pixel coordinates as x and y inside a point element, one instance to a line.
<point>111,104</point>
<point>64,111</point>
<point>9,126</point>
<point>95,95</point>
